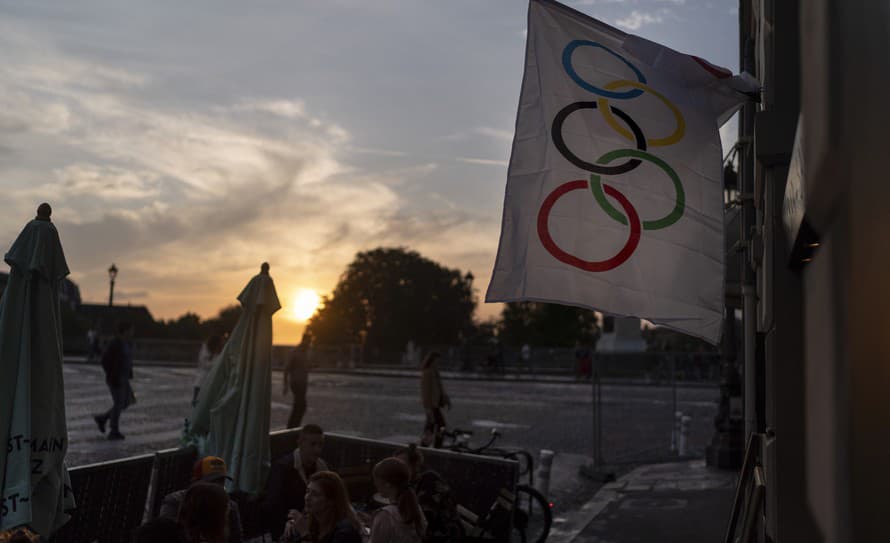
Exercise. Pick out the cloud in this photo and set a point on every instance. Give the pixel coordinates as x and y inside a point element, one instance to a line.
<point>483,161</point>
<point>289,109</point>
<point>488,132</point>
<point>505,135</point>
<point>377,152</point>
<point>187,202</point>
<point>637,19</point>
<point>103,182</point>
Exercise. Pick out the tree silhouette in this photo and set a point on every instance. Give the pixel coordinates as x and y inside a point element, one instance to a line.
<point>389,296</point>
<point>224,322</point>
<point>552,325</point>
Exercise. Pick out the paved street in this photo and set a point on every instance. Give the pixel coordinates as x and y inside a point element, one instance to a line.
<point>530,415</point>
<point>669,503</point>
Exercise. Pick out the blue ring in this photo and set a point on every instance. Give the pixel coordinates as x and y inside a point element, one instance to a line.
<point>567,64</point>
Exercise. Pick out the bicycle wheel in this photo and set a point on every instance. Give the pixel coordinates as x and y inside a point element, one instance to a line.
<point>532,516</point>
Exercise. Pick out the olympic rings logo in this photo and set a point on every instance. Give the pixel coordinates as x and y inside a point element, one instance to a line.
<point>614,162</point>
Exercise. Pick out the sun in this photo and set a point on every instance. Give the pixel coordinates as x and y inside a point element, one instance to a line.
<point>305,303</point>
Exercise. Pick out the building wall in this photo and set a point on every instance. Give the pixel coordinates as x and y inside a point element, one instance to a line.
<point>823,316</point>
<point>846,287</point>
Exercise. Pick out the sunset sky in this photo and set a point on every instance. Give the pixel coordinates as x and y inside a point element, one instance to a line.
<point>189,142</point>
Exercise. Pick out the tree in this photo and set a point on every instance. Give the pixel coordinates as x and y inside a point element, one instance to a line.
<point>187,326</point>
<point>224,322</point>
<point>389,296</point>
<point>551,325</point>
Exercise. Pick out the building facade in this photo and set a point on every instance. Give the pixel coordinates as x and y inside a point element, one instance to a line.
<point>816,234</point>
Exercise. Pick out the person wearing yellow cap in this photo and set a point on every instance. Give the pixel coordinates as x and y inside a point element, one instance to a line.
<point>210,469</point>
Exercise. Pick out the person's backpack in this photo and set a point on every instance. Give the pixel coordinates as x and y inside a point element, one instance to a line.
<point>437,502</point>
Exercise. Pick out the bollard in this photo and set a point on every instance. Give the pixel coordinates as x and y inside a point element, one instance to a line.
<point>675,431</point>
<point>684,432</point>
<point>545,464</point>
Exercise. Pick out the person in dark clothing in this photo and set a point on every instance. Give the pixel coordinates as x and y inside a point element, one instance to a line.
<point>159,530</point>
<point>289,478</point>
<point>93,349</point>
<point>434,398</point>
<point>203,515</point>
<point>210,469</point>
<point>583,361</point>
<point>118,365</point>
<point>296,377</point>
<point>328,517</point>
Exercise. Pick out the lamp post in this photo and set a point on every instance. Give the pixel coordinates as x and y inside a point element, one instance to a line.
<point>112,274</point>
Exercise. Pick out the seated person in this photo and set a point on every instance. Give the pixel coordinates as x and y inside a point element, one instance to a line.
<point>210,469</point>
<point>204,514</point>
<point>434,496</point>
<point>22,534</point>
<point>401,521</point>
<point>289,478</point>
<point>159,530</point>
<point>328,518</point>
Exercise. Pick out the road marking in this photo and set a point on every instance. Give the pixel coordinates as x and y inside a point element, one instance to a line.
<point>495,424</point>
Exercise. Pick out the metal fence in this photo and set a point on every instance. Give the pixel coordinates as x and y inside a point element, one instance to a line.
<point>113,498</point>
<point>650,366</point>
<point>664,409</point>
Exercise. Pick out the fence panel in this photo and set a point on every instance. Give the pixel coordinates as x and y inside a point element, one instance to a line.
<point>110,501</point>
<point>172,471</point>
<point>475,480</point>
<point>650,407</point>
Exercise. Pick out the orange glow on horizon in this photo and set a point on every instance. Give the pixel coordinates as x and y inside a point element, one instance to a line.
<point>304,305</point>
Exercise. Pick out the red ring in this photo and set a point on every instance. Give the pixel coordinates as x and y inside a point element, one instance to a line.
<point>604,265</point>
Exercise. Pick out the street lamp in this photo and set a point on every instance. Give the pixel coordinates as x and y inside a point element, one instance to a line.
<point>112,274</point>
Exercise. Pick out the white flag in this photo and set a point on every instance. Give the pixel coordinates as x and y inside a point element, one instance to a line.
<point>614,194</point>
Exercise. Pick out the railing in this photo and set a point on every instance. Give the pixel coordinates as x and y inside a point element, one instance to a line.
<point>113,498</point>
<point>649,367</point>
<point>748,502</point>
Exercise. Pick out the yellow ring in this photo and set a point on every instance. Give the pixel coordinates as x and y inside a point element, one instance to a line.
<point>603,106</point>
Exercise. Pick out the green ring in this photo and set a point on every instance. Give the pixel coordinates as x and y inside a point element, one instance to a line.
<point>597,188</point>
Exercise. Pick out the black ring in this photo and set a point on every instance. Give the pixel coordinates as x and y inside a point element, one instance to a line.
<point>584,165</point>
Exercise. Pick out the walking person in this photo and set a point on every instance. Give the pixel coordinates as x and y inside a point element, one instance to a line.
<point>118,365</point>
<point>525,354</point>
<point>434,398</point>
<point>583,361</point>
<point>210,350</point>
<point>296,377</point>
<point>93,350</point>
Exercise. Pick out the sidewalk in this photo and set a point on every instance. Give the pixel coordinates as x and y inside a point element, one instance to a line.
<point>682,502</point>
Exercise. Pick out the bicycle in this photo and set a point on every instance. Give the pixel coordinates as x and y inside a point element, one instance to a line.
<point>460,442</point>
<point>531,513</point>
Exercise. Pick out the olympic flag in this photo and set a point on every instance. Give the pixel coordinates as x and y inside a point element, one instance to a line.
<point>614,195</point>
